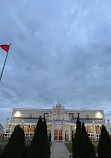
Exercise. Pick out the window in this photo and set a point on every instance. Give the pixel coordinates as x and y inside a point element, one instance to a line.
<point>71,115</point>
<point>45,115</point>
<point>97,129</point>
<point>90,129</point>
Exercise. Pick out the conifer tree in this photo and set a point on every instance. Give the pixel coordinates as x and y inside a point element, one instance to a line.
<point>104,146</point>
<point>84,129</point>
<point>78,143</point>
<point>16,146</point>
<point>82,147</point>
<point>39,144</point>
<point>47,143</point>
<point>90,151</point>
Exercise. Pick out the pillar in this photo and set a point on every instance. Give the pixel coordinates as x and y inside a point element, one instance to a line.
<point>108,126</point>
<point>29,129</point>
<point>52,132</point>
<point>63,132</point>
<point>94,130</point>
<point>23,124</point>
<point>6,124</point>
<point>69,133</point>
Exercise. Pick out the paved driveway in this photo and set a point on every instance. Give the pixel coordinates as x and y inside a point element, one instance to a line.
<point>59,150</point>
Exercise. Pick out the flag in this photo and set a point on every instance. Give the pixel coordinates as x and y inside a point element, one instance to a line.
<point>5,47</point>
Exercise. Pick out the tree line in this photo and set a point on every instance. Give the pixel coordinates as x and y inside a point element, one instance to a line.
<point>82,146</point>
<point>39,148</point>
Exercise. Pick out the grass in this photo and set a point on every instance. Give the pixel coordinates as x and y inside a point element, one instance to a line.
<point>50,145</point>
<point>69,146</point>
<point>95,144</point>
<point>2,145</point>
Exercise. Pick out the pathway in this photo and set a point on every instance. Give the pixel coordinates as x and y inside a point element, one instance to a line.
<point>59,150</point>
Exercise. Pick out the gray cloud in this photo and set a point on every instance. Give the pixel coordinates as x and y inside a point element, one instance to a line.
<point>60,50</point>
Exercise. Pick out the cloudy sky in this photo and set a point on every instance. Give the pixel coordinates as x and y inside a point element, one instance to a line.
<point>60,50</point>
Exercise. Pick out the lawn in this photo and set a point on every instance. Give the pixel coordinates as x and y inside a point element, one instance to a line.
<point>95,145</point>
<point>50,145</point>
<point>69,146</point>
<point>2,145</point>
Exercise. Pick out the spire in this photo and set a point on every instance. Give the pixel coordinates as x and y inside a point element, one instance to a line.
<point>58,104</point>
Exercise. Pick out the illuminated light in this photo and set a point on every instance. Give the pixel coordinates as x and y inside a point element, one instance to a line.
<point>98,115</point>
<point>17,114</point>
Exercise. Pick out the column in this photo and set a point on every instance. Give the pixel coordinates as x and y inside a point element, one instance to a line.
<point>10,129</point>
<point>69,133</point>
<point>29,129</point>
<point>99,129</point>
<point>6,124</point>
<point>52,132</point>
<point>86,128</point>
<point>63,131</point>
<point>94,130</point>
<point>108,126</point>
<point>23,124</point>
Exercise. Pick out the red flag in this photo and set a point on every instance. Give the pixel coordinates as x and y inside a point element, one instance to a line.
<point>5,47</point>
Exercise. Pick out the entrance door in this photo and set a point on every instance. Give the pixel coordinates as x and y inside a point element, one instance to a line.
<point>58,134</point>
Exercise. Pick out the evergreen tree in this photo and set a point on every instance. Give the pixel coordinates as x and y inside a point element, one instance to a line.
<point>78,143</point>
<point>49,137</point>
<point>82,147</point>
<point>84,129</point>
<point>39,145</point>
<point>16,146</point>
<point>104,146</point>
<point>45,125</point>
<point>90,151</point>
<point>47,142</point>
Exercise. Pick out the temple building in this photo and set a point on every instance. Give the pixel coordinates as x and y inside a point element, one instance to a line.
<point>60,122</point>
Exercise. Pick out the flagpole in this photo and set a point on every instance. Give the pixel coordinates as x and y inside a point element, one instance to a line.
<point>4,66</point>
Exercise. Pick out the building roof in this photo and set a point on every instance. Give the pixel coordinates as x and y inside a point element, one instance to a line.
<point>35,113</point>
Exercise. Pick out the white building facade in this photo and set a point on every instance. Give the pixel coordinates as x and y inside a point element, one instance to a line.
<point>60,122</point>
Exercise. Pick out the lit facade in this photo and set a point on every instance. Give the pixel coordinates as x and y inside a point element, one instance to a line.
<point>60,122</point>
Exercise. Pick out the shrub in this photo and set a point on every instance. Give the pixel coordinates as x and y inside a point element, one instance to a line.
<point>104,146</point>
<point>82,146</point>
<point>40,145</point>
<point>15,147</point>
